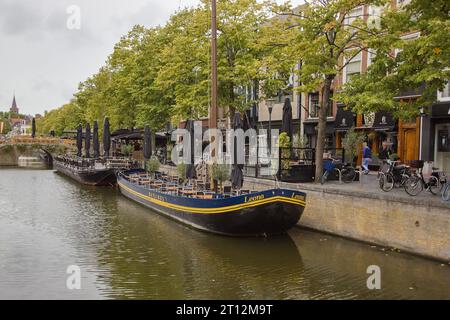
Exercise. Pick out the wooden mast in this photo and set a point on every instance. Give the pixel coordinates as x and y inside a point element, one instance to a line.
<point>213,108</point>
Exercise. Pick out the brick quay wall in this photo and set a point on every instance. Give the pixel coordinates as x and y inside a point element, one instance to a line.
<point>362,212</point>
<point>419,225</point>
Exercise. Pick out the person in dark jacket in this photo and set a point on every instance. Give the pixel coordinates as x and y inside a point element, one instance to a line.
<point>385,152</point>
<point>367,157</point>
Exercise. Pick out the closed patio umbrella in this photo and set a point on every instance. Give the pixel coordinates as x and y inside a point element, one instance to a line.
<point>147,143</point>
<point>106,138</point>
<point>79,140</point>
<point>33,128</point>
<point>286,125</point>
<point>87,142</point>
<point>190,167</point>
<point>237,177</point>
<point>95,141</point>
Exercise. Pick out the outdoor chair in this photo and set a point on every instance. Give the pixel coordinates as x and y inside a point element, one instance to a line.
<point>227,191</point>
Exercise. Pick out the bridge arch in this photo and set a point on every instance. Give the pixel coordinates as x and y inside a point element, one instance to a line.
<point>47,149</point>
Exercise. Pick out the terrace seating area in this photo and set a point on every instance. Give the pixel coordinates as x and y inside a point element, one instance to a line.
<point>173,185</point>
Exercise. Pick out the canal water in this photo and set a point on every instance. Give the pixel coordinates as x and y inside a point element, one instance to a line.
<point>48,222</point>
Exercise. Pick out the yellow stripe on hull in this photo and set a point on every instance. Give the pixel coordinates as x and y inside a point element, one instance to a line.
<point>214,210</point>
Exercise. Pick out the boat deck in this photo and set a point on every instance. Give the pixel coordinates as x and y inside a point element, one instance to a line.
<point>171,185</point>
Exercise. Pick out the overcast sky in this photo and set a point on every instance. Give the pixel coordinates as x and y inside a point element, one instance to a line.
<point>43,61</point>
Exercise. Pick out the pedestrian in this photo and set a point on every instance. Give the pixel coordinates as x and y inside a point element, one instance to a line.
<point>385,152</point>
<point>367,157</point>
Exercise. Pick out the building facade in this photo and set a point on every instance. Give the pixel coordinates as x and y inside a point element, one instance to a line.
<point>425,137</point>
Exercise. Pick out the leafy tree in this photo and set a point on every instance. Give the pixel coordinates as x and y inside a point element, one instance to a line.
<point>325,36</point>
<point>423,62</point>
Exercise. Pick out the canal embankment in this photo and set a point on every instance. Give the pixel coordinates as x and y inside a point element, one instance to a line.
<point>360,211</point>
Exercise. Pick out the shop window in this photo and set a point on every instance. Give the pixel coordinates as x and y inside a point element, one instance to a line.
<point>443,143</point>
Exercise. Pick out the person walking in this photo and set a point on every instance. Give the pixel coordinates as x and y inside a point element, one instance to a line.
<point>367,157</point>
<point>385,152</point>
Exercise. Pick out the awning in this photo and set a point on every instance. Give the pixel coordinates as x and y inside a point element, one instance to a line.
<point>126,134</point>
<point>345,119</point>
<point>383,121</point>
<point>441,110</point>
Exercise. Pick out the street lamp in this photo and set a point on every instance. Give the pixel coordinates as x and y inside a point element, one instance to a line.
<point>421,133</point>
<point>270,103</point>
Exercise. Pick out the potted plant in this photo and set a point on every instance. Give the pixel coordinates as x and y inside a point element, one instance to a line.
<point>351,143</point>
<point>284,142</point>
<point>220,173</point>
<point>153,165</point>
<point>181,171</point>
<point>127,150</point>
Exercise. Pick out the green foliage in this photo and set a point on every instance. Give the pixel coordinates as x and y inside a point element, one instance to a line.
<point>7,149</point>
<point>219,172</point>
<point>153,164</point>
<point>352,141</point>
<point>284,142</point>
<point>6,125</point>
<point>162,74</point>
<point>21,147</point>
<point>181,171</point>
<point>127,150</point>
<point>423,61</point>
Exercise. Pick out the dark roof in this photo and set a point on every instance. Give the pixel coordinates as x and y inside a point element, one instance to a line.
<point>126,134</point>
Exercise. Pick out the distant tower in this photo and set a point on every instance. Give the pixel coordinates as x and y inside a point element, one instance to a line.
<point>14,109</point>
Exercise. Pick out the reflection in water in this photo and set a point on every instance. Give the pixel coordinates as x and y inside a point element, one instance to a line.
<point>48,222</point>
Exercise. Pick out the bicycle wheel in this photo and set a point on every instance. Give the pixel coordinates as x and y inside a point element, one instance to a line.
<point>433,185</point>
<point>324,177</point>
<point>348,174</point>
<point>414,185</point>
<point>405,178</point>
<point>388,183</point>
<point>446,192</point>
<point>381,179</point>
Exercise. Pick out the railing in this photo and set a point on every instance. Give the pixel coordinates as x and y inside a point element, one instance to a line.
<point>83,164</point>
<point>290,164</point>
<point>37,140</point>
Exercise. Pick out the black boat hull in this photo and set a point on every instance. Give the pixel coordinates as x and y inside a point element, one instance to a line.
<point>106,177</point>
<point>269,216</point>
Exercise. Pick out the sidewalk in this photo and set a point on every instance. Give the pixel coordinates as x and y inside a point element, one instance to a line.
<point>368,187</point>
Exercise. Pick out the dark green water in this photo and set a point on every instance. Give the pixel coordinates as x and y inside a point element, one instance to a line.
<point>48,222</point>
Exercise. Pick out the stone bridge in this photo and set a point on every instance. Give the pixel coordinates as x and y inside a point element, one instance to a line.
<point>42,148</point>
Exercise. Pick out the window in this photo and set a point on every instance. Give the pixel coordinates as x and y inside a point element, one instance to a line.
<point>354,14</point>
<point>407,37</point>
<point>402,3</point>
<point>353,67</point>
<point>444,95</point>
<point>374,18</point>
<point>313,105</point>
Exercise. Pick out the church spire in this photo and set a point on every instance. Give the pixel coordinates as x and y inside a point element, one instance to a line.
<point>14,109</point>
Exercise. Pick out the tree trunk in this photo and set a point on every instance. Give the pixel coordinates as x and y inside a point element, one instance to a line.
<point>320,144</point>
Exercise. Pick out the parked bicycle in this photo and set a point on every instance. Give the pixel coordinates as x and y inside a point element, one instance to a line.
<point>416,182</point>
<point>346,172</point>
<point>393,174</point>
